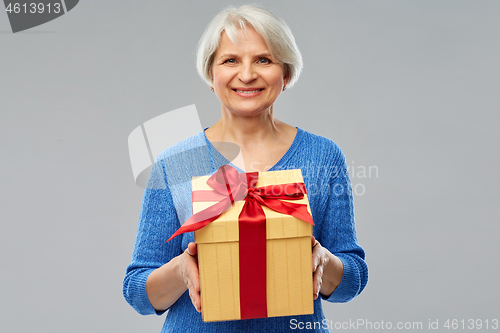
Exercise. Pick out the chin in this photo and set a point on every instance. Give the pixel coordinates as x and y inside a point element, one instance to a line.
<point>248,108</point>
<point>248,111</point>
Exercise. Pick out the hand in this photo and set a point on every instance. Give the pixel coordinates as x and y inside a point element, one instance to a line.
<point>318,261</point>
<point>188,265</point>
<point>327,270</point>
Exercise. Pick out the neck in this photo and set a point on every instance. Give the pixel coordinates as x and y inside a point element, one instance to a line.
<point>246,130</point>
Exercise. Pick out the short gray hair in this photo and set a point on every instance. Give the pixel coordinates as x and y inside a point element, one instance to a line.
<point>274,31</point>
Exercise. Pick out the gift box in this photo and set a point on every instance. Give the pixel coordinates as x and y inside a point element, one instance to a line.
<point>255,257</point>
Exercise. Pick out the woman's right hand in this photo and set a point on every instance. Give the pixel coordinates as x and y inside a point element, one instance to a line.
<point>169,282</point>
<point>188,268</point>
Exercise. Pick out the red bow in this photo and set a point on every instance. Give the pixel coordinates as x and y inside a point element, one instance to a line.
<point>230,186</point>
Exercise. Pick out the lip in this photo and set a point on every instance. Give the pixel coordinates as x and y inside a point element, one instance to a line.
<point>242,94</point>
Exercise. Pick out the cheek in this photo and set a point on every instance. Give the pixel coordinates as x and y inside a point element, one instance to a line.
<point>276,78</point>
<point>221,78</point>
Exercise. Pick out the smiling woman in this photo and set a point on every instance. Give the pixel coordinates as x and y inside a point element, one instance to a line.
<point>248,57</point>
<point>246,78</point>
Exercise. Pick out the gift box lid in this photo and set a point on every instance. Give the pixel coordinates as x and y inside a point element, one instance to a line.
<point>225,228</point>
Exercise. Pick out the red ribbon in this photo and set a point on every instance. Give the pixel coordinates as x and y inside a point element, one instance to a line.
<point>230,186</point>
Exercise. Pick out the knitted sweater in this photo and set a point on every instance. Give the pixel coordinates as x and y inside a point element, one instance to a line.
<point>167,204</point>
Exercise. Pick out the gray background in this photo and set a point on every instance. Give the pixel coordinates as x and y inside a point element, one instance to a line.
<point>410,87</point>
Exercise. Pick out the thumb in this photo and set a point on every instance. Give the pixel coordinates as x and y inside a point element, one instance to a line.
<point>313,241</point>
<point>192,249</point>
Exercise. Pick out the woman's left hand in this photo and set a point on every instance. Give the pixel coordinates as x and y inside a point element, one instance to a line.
<point>327,270</point>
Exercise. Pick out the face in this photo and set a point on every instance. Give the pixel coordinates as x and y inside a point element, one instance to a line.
<point>246,79</point>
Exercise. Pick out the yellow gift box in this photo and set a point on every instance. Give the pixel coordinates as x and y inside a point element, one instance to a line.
<point>288,256</point>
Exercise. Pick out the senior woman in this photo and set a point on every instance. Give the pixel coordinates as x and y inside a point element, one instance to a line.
<point>248,57</point>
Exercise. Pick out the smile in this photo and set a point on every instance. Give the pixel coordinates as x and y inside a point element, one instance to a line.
<point>248,91</point>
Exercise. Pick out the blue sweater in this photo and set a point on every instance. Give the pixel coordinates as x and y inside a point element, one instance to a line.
<point>167,204</point>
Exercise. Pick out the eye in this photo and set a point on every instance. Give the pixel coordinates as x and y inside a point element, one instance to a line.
<point>264,61</point>
<point>229,61</point>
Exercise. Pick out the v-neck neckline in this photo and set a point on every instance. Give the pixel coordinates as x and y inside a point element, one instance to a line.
<point>281,161</point>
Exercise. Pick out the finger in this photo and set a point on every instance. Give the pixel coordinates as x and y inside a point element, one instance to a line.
<point>195,299</point>
<point>190,274</point>
<point>193,274</point>
<point>315,261</point>
<point>314,241</point>
<point>194,281</point>
<point>192,249</point>
<point>193,285</point>
<point>193,278</point>
<point>316,256</point>
<point>317,281</point>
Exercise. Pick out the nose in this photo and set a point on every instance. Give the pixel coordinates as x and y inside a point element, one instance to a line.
<point>247,73</point>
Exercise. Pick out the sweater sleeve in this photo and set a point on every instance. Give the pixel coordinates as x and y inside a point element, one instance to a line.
<point>157,221</point>
<point>338,233</point>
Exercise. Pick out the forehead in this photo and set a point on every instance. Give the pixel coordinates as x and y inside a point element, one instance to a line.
<point>248,40</point>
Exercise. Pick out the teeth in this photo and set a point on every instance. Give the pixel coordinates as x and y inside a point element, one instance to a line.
<point>248,92</point>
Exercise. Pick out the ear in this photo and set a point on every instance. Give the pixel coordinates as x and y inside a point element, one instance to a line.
<point>285,80</point>
<point>286,76</point>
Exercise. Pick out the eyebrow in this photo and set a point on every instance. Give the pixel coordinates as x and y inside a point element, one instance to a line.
<point>227,55</point>
<point>231,55</point>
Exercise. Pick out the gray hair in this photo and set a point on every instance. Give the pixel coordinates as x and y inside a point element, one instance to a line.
<point>274,31</point>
